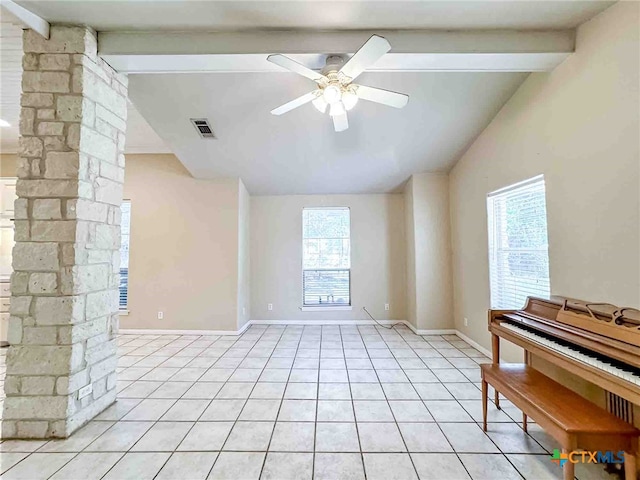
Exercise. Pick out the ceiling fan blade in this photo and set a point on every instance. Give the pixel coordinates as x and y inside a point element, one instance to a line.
<point>295,67</point>
<point>385,97</point>
<point>368,54</point>
<point>306,98</point>
<point>340,122</point>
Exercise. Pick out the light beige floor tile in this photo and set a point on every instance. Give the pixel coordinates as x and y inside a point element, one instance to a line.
<point>37,466</point>
<point>474,408</point>
<point>249,436</point>
<point>235,390</point>
<point>410,411</point>
<point>424,437</point>
<point>400,391</point>
<point>150,409</point>
<point>185,410</point>
<point>489,467</point>
<point>336,437</point>
<point>468,438</point>
<point>301,391</point>
<point>79,440</point>
<point>380,437</point>
<point>221,410</point>
<point>510,438</point>
<point>464,391</point>
<point>256,409</point>
<point>206,436</point>
<point>334,391</point>
<point>538,467</point>
<point>288,466</point>
<point>372,411</point>
<point>9,459</point>
<point>338,466</point>
<point>293,437</point>
<point>268,390</point>
<point>137,466</point>
<point>217,374</point>
<point>88,466</point>
<point>335,411</point>
<point>367,391</point>
<point>389,466</point>
<point>139,389</point>
<point>421,376</point>
<point>162,437</point>
<point>201,390</point>
<point>278,375</point>
<point>237,465</point>
<point>432,391</point>
<point>119,409</point>
<point>439,466</point>
<point>447,411</point>
<point>297,411</point>
<point>120,437</point>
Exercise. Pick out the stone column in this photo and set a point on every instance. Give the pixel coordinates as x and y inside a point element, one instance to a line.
<point>64,305</point>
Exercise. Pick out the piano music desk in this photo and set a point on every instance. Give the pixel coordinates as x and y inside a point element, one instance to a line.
<point>572,420</point>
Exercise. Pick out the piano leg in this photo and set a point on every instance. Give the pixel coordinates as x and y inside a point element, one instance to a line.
<point>484,405</point>
<point>495,351</point>
<point>630,467</point>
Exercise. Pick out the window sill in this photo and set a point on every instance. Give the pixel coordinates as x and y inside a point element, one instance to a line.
<point>326,309</point>
<point>123,312</point>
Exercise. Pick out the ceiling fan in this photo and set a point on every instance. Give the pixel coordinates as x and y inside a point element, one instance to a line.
<point>335,89</point>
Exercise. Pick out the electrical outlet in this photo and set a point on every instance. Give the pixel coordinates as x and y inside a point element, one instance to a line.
<point>386,306</point>
<point>160,315</point>
<point>84,391</point>
<point>466,322</point>
<point>269,306</point>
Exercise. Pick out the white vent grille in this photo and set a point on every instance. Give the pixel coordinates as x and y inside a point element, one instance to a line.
<point>203,127</point>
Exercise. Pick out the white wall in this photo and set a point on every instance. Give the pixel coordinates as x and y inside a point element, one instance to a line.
<point>429,286</point>
<point>377,256</point>
<point>579,126</point>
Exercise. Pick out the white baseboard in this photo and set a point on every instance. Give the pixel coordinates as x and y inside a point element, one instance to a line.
<point>142,331</point>
<point>153,331</point>
<point>474,344</point>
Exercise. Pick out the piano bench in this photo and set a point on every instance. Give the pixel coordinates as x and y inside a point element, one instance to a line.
<point>575,422</point>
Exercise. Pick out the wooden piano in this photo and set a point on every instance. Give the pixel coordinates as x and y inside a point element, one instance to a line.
<point>597,342</point>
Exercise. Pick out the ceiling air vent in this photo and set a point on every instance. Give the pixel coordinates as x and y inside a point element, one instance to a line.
<point>203,127</point>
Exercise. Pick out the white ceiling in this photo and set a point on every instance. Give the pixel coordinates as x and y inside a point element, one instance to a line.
<point>140,136</point>
<point>299,153</point>
<point>304,14</point>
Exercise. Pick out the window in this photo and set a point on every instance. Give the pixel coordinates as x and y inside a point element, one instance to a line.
<point>518,245</point>
<point>326,257</point>
<point>125,232</point>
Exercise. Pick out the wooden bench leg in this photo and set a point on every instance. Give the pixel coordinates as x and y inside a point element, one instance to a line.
<point>630,467</point>
<point>569,468</point>
<point>497,399</point>
<point>484,404</point>
<point>524,422</point>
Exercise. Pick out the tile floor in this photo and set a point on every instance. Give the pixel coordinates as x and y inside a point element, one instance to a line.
<point>285,402</point>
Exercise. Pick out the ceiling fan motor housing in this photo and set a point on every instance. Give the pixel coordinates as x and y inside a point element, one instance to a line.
<point>333,64</point>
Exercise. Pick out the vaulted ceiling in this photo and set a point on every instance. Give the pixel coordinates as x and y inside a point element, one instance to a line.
<point>457,81</point>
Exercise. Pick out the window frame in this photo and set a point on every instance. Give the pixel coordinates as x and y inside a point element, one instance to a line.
<point>327,306</point>
<point>124,309</point>
<point>496,282</point>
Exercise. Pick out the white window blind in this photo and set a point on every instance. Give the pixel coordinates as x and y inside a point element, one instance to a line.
<point>125,232</point>
<point>518,244</point>
<point>326,257</point>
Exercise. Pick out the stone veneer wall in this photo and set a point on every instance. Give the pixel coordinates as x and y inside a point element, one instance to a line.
<point>64,304</point>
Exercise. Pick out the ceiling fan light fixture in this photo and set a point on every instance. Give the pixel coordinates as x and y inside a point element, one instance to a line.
<point>349,99</point>
<point>320,104</point>
<point>336,108</point>
<point>332,94</point>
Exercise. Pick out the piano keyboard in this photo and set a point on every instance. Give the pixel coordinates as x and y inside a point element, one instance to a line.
<point>593,359</point>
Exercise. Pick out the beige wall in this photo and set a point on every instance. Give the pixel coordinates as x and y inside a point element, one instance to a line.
<point>429,282</point>
<point>377,256</point>
<point>8,164</point>
<point>184,247</point>
<point>244,261</point>
<point>577,125</point>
